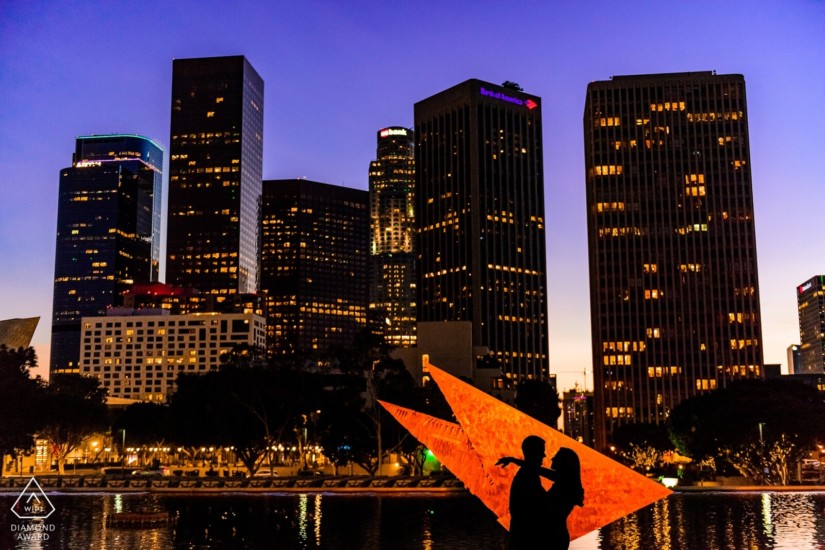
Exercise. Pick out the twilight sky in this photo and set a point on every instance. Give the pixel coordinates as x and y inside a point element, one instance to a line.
<point>336,72</point>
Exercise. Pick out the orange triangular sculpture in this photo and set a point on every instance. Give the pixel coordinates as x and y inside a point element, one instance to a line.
<point>488,429</point>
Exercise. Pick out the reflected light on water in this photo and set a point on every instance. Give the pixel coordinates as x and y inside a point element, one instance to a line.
<point>795,520</point>
<point>767,524</point>
<point>318,520</point>
<point>428,535</point>
<point>721,521</point>
<point>302,518</point>
<point>661,531</point>
<point>685,521</point>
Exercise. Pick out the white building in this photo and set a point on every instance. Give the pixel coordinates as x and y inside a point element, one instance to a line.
<point>139,356</point>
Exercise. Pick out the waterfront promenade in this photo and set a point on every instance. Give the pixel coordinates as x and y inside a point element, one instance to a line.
<point>95,483</point>
<point>206,484</point>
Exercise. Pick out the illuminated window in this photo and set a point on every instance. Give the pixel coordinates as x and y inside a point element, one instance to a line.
<point>653,332</point>
<point>653,294</point>
<point>668,106</point>
<point>705,384</point>
<point>741,343</point>
<point>610,207</point>
<point>608,121</point>
<point>629,144</point>
<point>210,114</point>
<point>620,231</point>
<point>607,170</point>
<point>650,268</point>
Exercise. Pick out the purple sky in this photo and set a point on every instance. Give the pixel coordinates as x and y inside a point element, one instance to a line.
<point>337,72</point>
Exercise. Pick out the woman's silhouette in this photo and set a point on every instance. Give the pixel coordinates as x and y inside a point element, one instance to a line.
<point>538,518</point>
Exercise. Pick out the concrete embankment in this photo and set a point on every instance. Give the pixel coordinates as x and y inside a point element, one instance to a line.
<point>175,484</point>
<point>749,488</point>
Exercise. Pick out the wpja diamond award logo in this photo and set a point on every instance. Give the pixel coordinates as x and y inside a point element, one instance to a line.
<point>32,504</point>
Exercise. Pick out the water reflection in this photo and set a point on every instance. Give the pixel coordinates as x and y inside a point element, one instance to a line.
<point>719,521</point>
<point>707,521</point>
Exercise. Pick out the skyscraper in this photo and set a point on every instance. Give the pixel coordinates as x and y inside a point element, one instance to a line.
<point>810,297</point>
<point>215,172</point>
<point>315,247</point>
<point>674,294</point>
<point>480,218</point>
<point>392,237</point>
<point>107,233</point>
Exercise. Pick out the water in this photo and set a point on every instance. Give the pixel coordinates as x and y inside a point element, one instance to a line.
<point>706,521</point>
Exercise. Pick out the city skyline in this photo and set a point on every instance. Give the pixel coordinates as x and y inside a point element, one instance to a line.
<point>335,75</point>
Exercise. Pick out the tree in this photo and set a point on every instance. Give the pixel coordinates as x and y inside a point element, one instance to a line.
<point>147,424</point>
<point>73,408</point>
<point>370,375</point>
<point>206,413</point>
<point>539,400</point>
<point>642,444</point>
<point>744,422</point>
<point>243,405</point>
<point>771,464</point>
<point>510,85</point>
<point>19,395</point>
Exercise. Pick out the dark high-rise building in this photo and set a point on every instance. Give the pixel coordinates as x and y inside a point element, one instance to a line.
<point>315,248</point>
<point>216,161</point>
<point>674,294</point>
<point>480,217</point>
<point>107,233</point>
<point>810,297</point>
<point>392,237</point>
<point>577,407</point>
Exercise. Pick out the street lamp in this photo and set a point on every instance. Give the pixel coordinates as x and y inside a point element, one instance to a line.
<point>762,447</point>
<point>123,449</point>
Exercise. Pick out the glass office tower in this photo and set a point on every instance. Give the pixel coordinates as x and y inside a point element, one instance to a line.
<point>215,168</point>
<point>392,237</point>
<point>108,232</point>
<point>674,294</point>
<point>480,217</point>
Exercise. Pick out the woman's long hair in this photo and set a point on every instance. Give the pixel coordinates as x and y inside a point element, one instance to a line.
<point>566,463</point>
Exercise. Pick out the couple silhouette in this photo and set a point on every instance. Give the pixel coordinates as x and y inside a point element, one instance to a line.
<point>538,518</point>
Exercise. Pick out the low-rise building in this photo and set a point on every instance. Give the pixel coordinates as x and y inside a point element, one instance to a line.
<point>139,356</point>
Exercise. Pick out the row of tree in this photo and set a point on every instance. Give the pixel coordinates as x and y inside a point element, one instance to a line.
<point>760,429</point>
<point>250,404</point>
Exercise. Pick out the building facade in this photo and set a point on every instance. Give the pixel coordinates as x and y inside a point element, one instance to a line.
<point>215,169</point>
<point>140,356</point>
<point>480,219</point>
<point>674,291</point>
<point>794,361</point>
<point>315,249</point>
<point>180,301</point>
<point>577,408</point>
<point>392,237</point>
<point>108,233</point>
<point>810,297</point>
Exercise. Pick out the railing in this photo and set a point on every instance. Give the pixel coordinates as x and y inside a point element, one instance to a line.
<point>183,483</point>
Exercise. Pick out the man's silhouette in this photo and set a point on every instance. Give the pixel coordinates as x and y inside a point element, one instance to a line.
<point>528,513</point>
<point>538,518</point>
